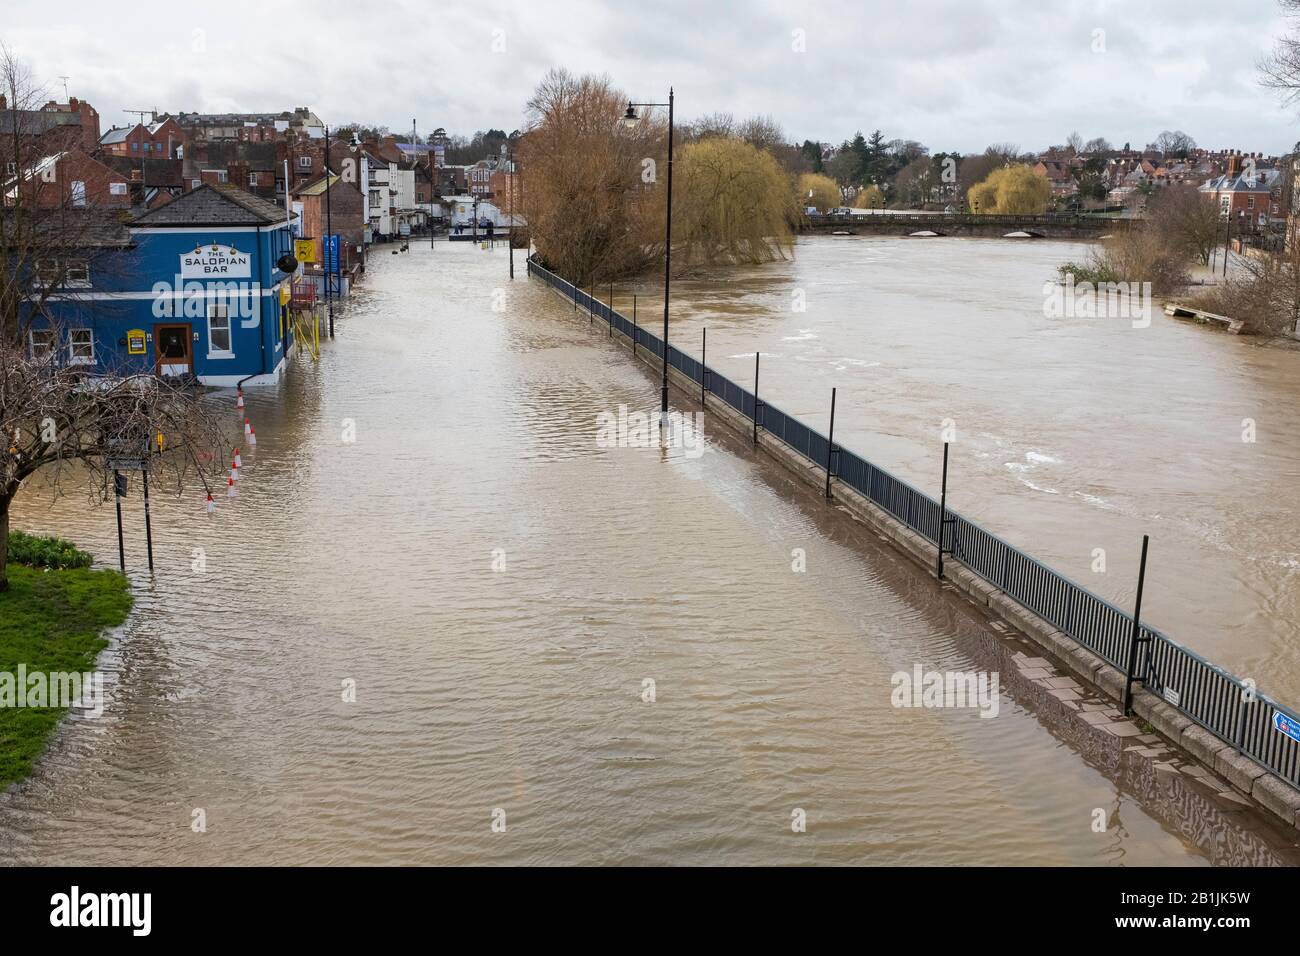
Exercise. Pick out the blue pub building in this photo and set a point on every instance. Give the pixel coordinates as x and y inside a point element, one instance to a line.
<point>197,289</point>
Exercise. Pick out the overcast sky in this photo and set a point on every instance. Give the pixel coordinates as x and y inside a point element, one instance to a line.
<point>954,75</point>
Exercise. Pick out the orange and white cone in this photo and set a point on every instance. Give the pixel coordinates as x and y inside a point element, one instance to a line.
<point>252,437</point>
<point>234,472</point>
<point>212,505</point>
<point>248,429</point>
<point>239,403</point>
<point>238,462</point>
<point>230,488</point>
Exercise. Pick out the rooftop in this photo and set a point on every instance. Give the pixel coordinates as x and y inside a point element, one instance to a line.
<point>211,204</point>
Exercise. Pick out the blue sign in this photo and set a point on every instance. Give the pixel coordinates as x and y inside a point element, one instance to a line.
<point>1286,725</point>
<point>330,246</point>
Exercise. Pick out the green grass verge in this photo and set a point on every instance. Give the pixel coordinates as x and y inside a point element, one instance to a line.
<point>51,621</point>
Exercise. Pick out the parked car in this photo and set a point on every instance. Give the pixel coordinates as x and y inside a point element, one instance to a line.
<point>842,211</point>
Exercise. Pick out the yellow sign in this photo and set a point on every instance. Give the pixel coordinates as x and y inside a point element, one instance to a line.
<point>135,342</point>
<point>284,294</point>
<point>304,250</point>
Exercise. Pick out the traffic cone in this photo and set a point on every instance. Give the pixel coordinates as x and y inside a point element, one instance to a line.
<point>234,472</point>
<point>212,505</point>
<point>239,403</point>
<point>238,461</point>
<point>252,437</point>
<point>230,488</point>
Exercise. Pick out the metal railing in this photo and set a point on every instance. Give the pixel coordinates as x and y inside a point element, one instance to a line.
<point>1225,705</point>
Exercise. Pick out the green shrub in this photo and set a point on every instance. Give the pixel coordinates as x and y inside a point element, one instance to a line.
<point>37,551</point>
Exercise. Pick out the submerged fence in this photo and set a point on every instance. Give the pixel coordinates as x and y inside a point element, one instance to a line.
<point>1228,707</point>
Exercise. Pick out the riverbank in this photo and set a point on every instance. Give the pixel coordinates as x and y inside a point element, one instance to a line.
<point>51,621</point>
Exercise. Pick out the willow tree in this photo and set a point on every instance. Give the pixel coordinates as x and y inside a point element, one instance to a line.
<point>1012,190</point>
<point>735,205</point>
<point>594,189</point>
<point>817,190</point>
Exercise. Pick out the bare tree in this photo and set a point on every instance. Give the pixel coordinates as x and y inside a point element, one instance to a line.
<point>59,422</point>
<point>1280,70</point>
<point>54,417</point>
<point>1188,218</point>
<point>52,232</point>
<point>1174,143</point>
<point>712,124</point>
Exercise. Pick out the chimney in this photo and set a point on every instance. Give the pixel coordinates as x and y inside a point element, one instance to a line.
<point>73,103</point>
<point>1232,166</point>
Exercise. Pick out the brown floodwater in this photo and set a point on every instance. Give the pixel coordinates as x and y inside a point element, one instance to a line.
<point>1073,433</point>
<point>498,588</point>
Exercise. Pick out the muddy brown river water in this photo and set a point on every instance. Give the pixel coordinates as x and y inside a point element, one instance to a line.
<point>499,589</point>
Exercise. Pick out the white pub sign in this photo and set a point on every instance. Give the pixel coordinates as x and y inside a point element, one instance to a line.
<point>216,261</point>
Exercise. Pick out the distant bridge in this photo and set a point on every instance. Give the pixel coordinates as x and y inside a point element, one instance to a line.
<point>1052,226</point>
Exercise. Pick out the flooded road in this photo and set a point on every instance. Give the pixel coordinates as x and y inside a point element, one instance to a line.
<point>1073,434</point>
<point>504,596</point>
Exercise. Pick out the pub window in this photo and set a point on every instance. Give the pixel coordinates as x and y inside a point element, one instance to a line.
<point>42,342</point>
<point>76,271</point>
<point>47,271</point>
<point>218,328</point>
<point>81,347</point>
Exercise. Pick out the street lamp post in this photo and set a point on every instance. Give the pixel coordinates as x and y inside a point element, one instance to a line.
<point>329,232</point>
<point>510,236</point>
<point>630,119</point>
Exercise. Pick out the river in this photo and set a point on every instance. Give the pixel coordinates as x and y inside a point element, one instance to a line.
<point>496,591</point>
<point>1074,433</point>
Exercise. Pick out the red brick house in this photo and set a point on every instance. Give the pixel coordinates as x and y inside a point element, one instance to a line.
<point>69,179</point>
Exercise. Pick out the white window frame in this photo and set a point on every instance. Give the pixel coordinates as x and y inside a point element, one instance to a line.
<point>252,179</point>
<point>220,311</point>
<point>45,351</point>
<point>73,357</point>
<point>76,274</point>
<point>304,162</point>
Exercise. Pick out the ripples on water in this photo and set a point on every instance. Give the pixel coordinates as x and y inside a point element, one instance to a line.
<point>521,689</point>
<point>1073,433</point>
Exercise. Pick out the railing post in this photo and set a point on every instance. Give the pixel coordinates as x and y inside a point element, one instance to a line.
<point>634,326</point>
<point>610,317</point>
<point>1137,629</point>
<point>943,512</point>
<point>704,368</point>
<point>830,445</point>
<point>757,353</point>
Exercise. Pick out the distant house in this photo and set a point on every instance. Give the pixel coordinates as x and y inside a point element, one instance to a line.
<point>1059,174</point>
<point>67,179</point>
<point>1248,194</point>
<point>195,290</point>
<point>158,139</point>
<point>345,214</point>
